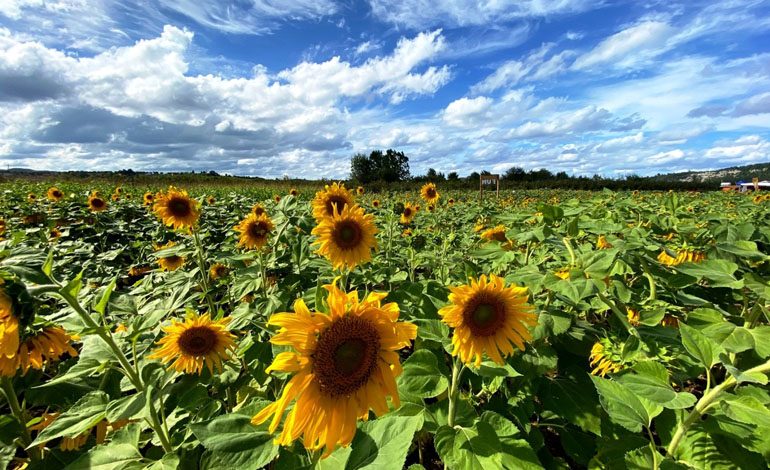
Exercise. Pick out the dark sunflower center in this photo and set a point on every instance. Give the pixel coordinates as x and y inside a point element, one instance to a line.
<point>179,207</point>
<point>407,212</point>
<point>335,201</point>
<point>347,234</point>
<point>484,314</point>
<point>346,355</point>
<point>57,194</point>
<point>97,203</point>
<point>173,259</point>
<point>431,193</point>
<point>258,230</point>
<point>197,341</point>
<point>259,210</point>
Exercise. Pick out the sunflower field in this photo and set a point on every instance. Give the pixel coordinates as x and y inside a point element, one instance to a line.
<point>334,328</point>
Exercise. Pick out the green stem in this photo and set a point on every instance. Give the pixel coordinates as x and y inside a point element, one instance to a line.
<point>262,272</point>
<point>654,449</point>
<point>18,412</point>
<point>453,391</point>
<point>705,403</point>
<point>571,251</point>
<point>622,318</point>
<point>204,272</point>
<point>650,280</point>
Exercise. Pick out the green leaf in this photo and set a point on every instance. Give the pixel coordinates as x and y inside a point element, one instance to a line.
<point>642,459</point>
<point>102,305</point>
<point>476,447</point>
<point>761,336</point>
<point>421,376</point>
<point>739,340</point>
<point>48,264</point>
<point>82,416</point>
<point>718,272</point>
<point>574,400</point>
<point>741,376</point>
<point>698,345</point>
<point>232,441</point>
<point>623,406</point>
<point>383,443</point>
<point>109,457</point>
<point>747,410</point>
<point>73,287</point>
<point>128,407</point>
<point>168,462</point>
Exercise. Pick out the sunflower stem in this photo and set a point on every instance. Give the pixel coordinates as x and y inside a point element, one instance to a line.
<point>568,245</point>
<point>453,389</point>
<point>262,272</point>
<point>204,273</point>
<point>18,412</point>
<point>650,280</point>
<point>705,403</point>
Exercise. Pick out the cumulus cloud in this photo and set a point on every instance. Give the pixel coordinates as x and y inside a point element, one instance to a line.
<point>743,150</point>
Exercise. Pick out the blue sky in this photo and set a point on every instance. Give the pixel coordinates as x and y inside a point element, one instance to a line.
<point>268,88</point>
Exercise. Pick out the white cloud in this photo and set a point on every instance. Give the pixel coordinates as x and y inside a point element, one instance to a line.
<point>626,47</point>
<point>421,14</point>
<point>757,104</point>
<point>744,150</point>
<point>617,143</point>
<point>466,111</point>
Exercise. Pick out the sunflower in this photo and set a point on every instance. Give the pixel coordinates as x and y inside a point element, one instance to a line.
<point>407,215</point>
<point>54,194</point>
<point>451,202</point>
<point>346,239</point>
<point>603,359</point>
<point>488,317</point>
<point>333,196</point>
<point>633,316</point>
<point>562,273</point>
<point>258,209</point>
<point>344,364</point>
<point>254,230</point>
<point>176,208</point>
<point>148,198</point>
<point>277,198</point>
<point>218,271</point>
<point>602,243</point>
<point>172,262</point>
<point>429,193</point>
<point>211,200</point>
<point>136,271</point>
<point>196,342</point>
<point>360,190</point>
<point>294,192</point>
<point>46,346</point>
<point>54,233</point>
<point>682,256</point>
<point>376,203</point>
<point>115,197</point>
<point>31,197</point>
<point>431,208</point>
<point>495,233</point>
<point>96,203</point>
<point>9,327</point>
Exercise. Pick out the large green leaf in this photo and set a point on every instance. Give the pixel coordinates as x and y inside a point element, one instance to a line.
<point>109,457</point>
<point>718,272</point>
<point>421,376</point>
<point>699,346</point>
<point>82,416</point>
<point>469,448</point>
<point>232,441</point>
<point>383,443</point>
<point>623,406</point>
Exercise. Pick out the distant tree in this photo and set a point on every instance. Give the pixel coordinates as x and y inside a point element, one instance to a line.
<point>562,175</point>
<point>434,176</point>
<point>473,177</point>
<point>515,173</point>
<point>389,167</point>
<point>540,175</point>
<point>452,176</point>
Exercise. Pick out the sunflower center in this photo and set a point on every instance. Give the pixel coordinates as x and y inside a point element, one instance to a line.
<point>407,212</point>
<point>57,194</point>
<point>431,193</point>
<point>173,259</point>
<point>97,202</point>
<point>258,230</point>
<point>197,341</point>
<point>346,355</point>
<point>335,201</point>
<point>347,234</point>
<point>259,210</point>
<point>179,207</point>
<point>484,314</point>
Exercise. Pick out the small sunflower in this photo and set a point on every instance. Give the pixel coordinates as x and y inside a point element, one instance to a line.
<point>488,317</point>
<point>344,363</point>
<point>172,262</point>
<point>633,316</point>
<point>46,346</point>
<point>211,200</point>
<point>602,243</point>
<point>429,193</point>
<point>294,192</point>
<point>376,203</point>
<point>682,256</point>
<point>562,273</point>
<point>176,208</point>
<point>407,215</point>
<point>96,203</point>
<point>196,342</point>
<point>604,359</point>
<point>254,231</point>
<point>55,194</point>
<point>31,197</point>
<point>495,233</point>
<point>451,202</point>
<point>258,209</point>
<point>333,196</point>
<point>218,271</point>
<point>148,198</point>
<point>347,238</point>
<point>277,198</point>
<point>360,190</point>
<point>137,271</point>
<point>54,233</point>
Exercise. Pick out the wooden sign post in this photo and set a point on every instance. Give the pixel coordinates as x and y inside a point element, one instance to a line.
<point>489,179</point>
<point>755,180</point>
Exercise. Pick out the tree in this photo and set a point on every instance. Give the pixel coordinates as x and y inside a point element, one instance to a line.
<point>433,175</point>
<point>514,173</point>
<point>474,177</point>
<point>452,176</point>
<point>389,167</point>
